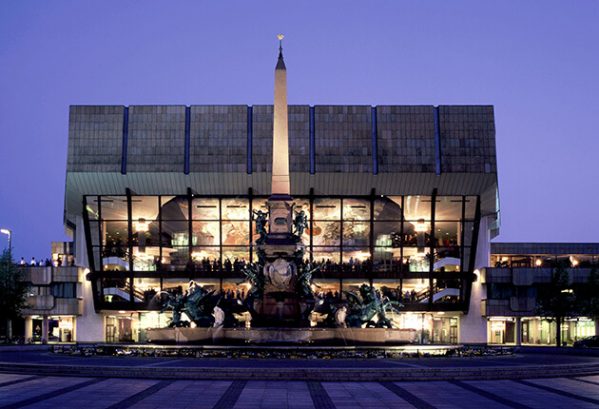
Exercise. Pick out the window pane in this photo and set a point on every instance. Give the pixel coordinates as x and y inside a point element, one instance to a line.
<point>175,233</point>
<point>447,259</point>
<point>357,256</point>
<point>206,233</point>
<point>447,234</point>
<point>175,285</point>
<point>389,288</point>
<point>353,285</point>
<point>232,254</point>
<point>417,207</point>
<point>387,234</point>
<point>326,288</point>
<point>145,233</point>
<point>205,209</point>
<point>206,258</point>
<point>114,207</point>
<point>324,254</point>
<point>92,207</point>
<point>415,291</point>
<point>174,208</point>
<point>386,259</point>
<point>326,233</point>
<point>302,204</point>
<point>417,259</point>
<point>175,258</point>
<point>356,209</point>
<point>144,207</point>
<point>327,209</point>
<point>387,208</point>
<point>146,291</point>
<point>417,233</point>
<point>448,208</point>
<point>145,258</point>
<point>236,209</point>
<point>115,234</point>
<point>116,289</point>
<point>356,233</point>
<point>236,233</point>
<point>446,291</point>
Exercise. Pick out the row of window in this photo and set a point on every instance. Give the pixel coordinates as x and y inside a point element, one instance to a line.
<point>58,290</point>
<point>239,208</point>
<point>406,291</point>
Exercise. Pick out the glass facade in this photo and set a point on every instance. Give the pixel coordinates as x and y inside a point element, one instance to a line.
<point>416,249</point>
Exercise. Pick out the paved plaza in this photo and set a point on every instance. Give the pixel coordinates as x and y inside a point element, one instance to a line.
<point>23,391</point>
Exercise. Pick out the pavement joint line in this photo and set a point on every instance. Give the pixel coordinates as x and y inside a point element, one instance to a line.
<point>407,396</point>
<point>160,363</point>
<point>230,396</point>
<point>585,381</point>
<point>489,395</point>
<point>53,394</point>
<point>558,391</point>
<point>408,365</point>
<point>319,395</point>
<point>15,381</point>
<point>139,396</point>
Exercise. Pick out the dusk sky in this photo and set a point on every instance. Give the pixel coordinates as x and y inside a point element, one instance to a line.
<point>536,62</point>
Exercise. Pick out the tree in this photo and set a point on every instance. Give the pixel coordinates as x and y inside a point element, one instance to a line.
<point>587,296</point>
<point>12,291</point>
<point>557,300</point>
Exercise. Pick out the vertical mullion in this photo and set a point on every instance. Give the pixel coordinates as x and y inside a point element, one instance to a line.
<point>374,136</point>
<point>341,201</point>
<point>432,246</point>
<point>160,233</point>
<point>311,199</point>
<point>312,144</point>
<point>462,226</point>
<point>220,241</point>
<point>130,245</point>
<point>462,246</point>
<point>189,227</point>
<point>125,140</point>
<point>371,236</point>
<point>250,137</point>
<point>251,208</point>
<point>100,230</point>
<point>401,235</point>
<point>88,236</point>
<point>187,139</point>
<point>437,141</point>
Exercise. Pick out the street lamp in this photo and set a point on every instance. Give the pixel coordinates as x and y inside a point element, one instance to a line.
<point>9,234</point>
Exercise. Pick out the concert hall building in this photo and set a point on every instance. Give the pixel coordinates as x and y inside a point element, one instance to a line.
<point>400,197</point>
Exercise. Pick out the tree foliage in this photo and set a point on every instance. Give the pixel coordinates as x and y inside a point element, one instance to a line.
<point>557,300</point>
<point>588,296</point>
<point>13,290</point>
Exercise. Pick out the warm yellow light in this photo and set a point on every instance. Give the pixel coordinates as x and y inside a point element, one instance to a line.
<point>199,255</point>
<point>420,226</point>
<point>362,255</point>
<point>574,262</point>
<point>142,225</point>
<point>538,262</point>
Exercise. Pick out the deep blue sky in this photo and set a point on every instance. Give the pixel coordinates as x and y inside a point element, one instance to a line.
<point>536,62</point>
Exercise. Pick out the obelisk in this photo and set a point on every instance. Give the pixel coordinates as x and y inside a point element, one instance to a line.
<point>280,143</point>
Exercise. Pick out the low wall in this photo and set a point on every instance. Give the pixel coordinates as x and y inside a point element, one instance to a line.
<point>281,335</point>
